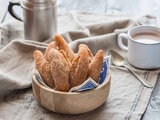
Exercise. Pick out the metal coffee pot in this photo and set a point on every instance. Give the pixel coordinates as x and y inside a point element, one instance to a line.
<point>39,17</point>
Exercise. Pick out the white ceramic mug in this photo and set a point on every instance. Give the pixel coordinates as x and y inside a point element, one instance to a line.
<point>143,46</point>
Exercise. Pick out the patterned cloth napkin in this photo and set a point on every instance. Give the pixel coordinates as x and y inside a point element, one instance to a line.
<point>128,98</point>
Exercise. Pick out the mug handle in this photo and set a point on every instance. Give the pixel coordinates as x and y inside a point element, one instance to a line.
<point>121,37</point>
<point>11,11</point>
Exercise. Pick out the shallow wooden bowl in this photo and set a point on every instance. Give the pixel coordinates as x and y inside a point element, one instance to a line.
<point>70,102</point>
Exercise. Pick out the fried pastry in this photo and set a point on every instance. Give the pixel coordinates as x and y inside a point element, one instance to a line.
<point>95,66</point>
<point>62,44</point>
<point>89,52</point>
<point>59,70</point>
<point>65,56</point>
<point>50,46</point>
<point>79,67</point>
<point>43,68</point>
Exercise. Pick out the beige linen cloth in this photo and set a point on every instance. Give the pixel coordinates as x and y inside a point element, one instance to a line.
<point>128,98</point>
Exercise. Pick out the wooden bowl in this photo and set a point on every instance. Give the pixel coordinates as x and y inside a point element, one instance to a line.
<point>70,102</point>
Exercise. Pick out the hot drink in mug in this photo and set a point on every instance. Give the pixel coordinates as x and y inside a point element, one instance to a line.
<point>143,49</point>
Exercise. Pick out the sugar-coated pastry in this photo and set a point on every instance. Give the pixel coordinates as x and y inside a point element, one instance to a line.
<point>65,56</point>
<point>50,46</point>
<point>79,67</point>
<point>62,44</point>
<point>89,52</point>
<point>96,65</point>
<point>43,68</point>
<point>62,69</point>
<point>59,70</point>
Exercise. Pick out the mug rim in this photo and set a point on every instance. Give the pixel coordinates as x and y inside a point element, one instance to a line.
<point>145,26</point>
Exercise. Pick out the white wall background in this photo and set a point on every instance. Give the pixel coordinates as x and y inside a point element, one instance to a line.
<point>125,7</point>
<point>110,6</point>
<point>151,8</point>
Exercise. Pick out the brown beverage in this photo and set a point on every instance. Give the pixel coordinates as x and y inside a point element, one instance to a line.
<point>147,38</point>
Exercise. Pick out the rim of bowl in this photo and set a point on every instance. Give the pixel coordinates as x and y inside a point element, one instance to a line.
<point>107,79</point>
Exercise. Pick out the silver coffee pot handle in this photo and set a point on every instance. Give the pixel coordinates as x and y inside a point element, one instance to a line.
<point>11,11</point>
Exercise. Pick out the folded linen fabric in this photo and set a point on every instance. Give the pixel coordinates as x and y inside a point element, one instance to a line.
<point>128,99</point>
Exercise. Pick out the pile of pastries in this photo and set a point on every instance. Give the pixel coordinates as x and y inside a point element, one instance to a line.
<point>62,69</point>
